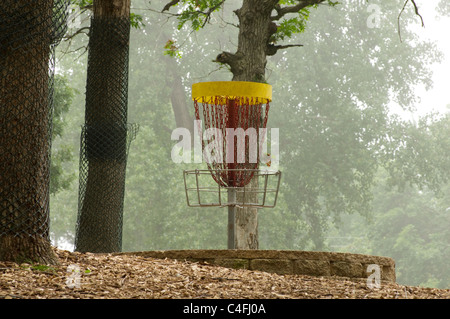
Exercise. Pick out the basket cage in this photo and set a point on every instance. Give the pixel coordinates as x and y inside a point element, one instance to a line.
<point>202,191</point>
<point>234,162</point>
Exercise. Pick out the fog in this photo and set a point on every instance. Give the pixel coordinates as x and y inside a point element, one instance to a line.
<point>356,178</point>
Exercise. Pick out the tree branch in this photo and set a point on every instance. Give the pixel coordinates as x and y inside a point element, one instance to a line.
<point>230,59</point>
<point>282,11</point>
<point>227,58</point>
<point>207,14</point>
<point>273,49</point>
<point>416,10</point>
<point>170,4</point>
<point>210,11</point>
<point>79,31</point>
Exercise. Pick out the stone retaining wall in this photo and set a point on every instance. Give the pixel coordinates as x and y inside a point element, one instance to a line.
<point>285,261</point>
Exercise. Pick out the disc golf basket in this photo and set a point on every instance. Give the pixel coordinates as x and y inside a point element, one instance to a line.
<point>232,118</point>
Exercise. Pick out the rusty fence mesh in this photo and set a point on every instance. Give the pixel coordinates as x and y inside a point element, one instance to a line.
<point>105,138</point>
<point>29,33</point>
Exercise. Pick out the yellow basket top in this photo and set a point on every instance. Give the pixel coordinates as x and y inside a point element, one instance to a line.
<point>208,92</point>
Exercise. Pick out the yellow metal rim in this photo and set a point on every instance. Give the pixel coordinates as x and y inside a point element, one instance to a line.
<point>207,92</point>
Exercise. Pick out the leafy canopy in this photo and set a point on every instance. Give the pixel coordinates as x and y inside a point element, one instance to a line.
<point>198,13</point>
<point>287,27</point>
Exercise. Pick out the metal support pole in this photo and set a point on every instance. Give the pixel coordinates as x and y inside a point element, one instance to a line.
<point>231,218</point>
<point>232,111</point>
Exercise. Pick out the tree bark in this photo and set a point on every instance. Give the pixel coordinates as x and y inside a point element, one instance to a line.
<point>179,106</point>
<point>99,226</point>
<point>25,134</point>
<point>255,29</point>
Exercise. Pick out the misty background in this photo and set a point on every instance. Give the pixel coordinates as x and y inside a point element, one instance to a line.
<point>363,118</point>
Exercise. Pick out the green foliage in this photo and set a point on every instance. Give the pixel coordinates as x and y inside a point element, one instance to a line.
<point>336,130</point>
<point>331,102</point>
<point>444,8</point>
<point>422,154</point>
<point>61,152</point>
<point>62,100</point>
<point>288,27</point>
<point>293,2</point>
<point>197,12</point>
<point>413,227</point>
<point>171,49</point>
<point>136,20</point>
<point>37,267</point>
<point>43,268</point>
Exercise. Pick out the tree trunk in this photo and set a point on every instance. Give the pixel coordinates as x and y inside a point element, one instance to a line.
<point>25,134</point>
<point>179,106</point>
<point>99,226</point>
<point>249,64</point>
<point>255,29</point>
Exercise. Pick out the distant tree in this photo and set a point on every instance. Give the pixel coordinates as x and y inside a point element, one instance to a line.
<point>262,26</point>
<point>61,153</point>
<point>444,7</point>
<point>409,222</point>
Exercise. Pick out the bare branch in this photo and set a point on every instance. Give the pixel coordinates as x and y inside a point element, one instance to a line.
<point>84,48</point>
<point>273,49</point>
<point>398,20</point>
<point>79,31</point>
<point>416,9</point>
<point>170,4</point>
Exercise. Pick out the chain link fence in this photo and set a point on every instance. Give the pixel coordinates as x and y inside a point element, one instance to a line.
<point>29,33</point>
<point>105,138</point>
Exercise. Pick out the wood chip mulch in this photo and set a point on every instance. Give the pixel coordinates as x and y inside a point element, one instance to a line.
<point>106,276</point>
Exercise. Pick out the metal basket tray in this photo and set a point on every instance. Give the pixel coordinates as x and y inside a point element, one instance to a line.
<point>203,191</point>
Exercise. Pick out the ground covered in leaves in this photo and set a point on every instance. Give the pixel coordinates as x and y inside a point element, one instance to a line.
<point>106,276</point>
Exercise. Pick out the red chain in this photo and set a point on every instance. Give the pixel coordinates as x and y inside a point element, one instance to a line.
<point>215,115</point>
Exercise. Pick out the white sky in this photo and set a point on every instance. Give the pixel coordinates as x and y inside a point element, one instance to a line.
<point>436,29</point>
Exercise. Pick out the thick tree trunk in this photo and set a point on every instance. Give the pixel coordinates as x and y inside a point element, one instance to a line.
<point>249,64</point>
<point>99,227</point>
<point>255,29</point>
<point>25,134</point>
